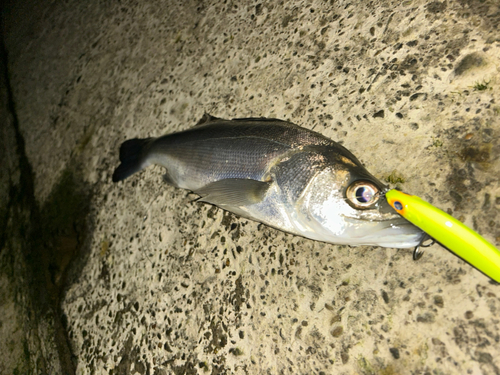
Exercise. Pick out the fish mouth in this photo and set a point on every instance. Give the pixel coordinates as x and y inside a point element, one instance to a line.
<point>397,233</point>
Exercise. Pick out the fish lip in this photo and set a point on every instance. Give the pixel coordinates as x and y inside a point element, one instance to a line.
<point>391,223</point>
<point>396,232</point>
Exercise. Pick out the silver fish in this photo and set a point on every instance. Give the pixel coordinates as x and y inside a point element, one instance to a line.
<point>279,174</point>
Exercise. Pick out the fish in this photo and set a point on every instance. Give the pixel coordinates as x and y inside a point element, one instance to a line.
<point>276,173</point>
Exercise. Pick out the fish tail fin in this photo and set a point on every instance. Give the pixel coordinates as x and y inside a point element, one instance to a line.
<point>133,158</point>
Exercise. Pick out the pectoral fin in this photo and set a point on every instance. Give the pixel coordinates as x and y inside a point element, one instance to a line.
<point>234,192</point>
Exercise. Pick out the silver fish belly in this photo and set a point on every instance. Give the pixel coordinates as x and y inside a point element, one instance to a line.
<point>279,174</point>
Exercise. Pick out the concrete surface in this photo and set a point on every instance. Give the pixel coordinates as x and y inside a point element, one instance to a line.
<point>28,333</point>
<point>164,285</point>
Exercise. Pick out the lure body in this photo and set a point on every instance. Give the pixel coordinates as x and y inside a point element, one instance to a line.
<point>448,231</point>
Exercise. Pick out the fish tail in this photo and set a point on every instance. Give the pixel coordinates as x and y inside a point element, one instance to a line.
<point>133,157</point>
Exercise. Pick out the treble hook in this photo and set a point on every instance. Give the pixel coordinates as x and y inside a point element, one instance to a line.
<point>418,252</point>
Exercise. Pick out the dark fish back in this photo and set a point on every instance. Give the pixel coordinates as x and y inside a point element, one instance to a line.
<point>241,148</point>
<point>278,131</point>
<point>231,148</point>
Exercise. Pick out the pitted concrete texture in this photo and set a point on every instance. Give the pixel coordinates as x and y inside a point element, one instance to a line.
<point>172,286</point>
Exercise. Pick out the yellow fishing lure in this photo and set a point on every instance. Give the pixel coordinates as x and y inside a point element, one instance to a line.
<point>463,241</point>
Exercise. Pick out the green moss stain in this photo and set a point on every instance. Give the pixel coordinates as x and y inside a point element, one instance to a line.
<point>481,86</point>
<point>236,352</point>
<point>365,365</point>
<point>395,178</point>
<point>436,142</point>
<point>84,141</point>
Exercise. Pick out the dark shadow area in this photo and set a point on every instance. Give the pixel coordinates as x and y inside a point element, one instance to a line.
<point>39,243</point>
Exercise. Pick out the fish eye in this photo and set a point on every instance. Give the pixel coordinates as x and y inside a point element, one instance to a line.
<point>362,194</point>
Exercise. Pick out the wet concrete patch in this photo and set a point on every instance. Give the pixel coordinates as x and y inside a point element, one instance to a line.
<point>65,226</point>
<point>471,61</point>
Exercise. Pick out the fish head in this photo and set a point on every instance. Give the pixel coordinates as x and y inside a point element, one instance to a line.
<point>345,204</point>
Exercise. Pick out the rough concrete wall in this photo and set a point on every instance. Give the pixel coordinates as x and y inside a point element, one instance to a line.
<point>11,311</point>
<point>170,286</point>
<point>28,340</point>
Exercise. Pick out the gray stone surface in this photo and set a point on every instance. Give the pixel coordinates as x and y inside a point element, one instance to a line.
<point>28,343</point>
<point>165,285</point>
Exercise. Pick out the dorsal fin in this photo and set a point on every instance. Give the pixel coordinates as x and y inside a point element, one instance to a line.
<point>258,119</point>
<point>206,118</point>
